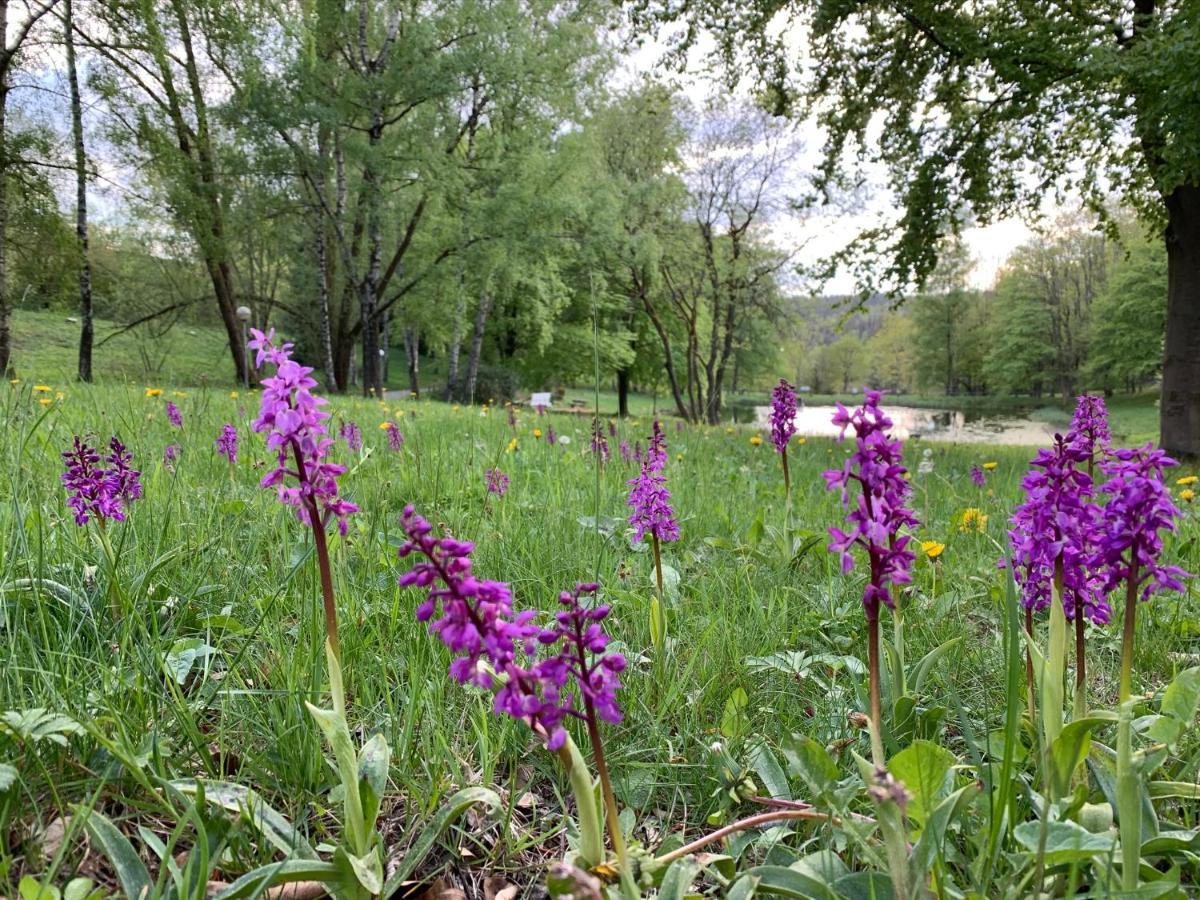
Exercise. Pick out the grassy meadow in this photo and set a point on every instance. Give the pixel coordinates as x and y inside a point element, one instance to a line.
<point>206,676</point>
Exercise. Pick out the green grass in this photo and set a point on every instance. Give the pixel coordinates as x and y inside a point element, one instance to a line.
<point>207,558</point>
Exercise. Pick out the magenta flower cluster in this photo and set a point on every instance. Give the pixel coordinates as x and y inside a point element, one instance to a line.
<point>1089,426</point>
<point>174,416</point>
<point>350,433</point>
<point>495,647</point>
<point>783,415</point>
<point>96,491</point>
<point>656,453</point>
<point>1138,510</point>
<point>874,492</point>
<point>292,417</point>
<point>394,437</point>
<point>978,477</point>
<point>497,482</point>
<point>171,455</point>
<point>227,443</point>
<point>1055,530</point>
<point>599,442</point>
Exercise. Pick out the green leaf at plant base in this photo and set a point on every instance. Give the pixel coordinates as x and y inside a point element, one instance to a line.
<point>266,820</point>
<point>373,759</point>
<point>183,656</point>
<point>453,808</point>
<point>1066,842</point>
<point>925,769</point>
<point>787,882</point>
<point>131,871</point>
<point>933,834</point>
<point>677,881</point>
<point>864,886</point>
<point>1070,749</point>
<point>8,775</point>
<point>810,761</point>
<point>255,883</point>
<point>767,766</point>
<point>924,668</point>
<point>734,720</point>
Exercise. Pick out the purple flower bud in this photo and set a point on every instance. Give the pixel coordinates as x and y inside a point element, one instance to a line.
<point>783,415</point>
<point>497,482</point>
<point>174,416</point>
<point>350,433</point>
<point>227,443</point>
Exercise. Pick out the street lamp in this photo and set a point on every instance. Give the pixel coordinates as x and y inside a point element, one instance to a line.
<point>243,313</point>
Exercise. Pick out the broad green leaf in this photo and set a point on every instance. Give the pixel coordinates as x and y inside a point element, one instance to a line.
<point>734,720</point>
<point>78,889</point>
<point>270,823</point>
<point>183,655</point>
<point>743,889</point>
<point>453,808</point>
<point>923,669</point>
<point>367,869</point>
<point>824,866</point>
<point>37,725</point>
<point>671,581</point>
<point>679,877</point>
<point>256,882</point>
<point>787,882</point>
<point>1161,790</point>
<point>31,889</point>
<point>1066,842</point>
<point>810,762</point>
<point>373,758</point>
<point>8,775</point>
<point>925,769</point>
<point>131,871</point>
<point>864,886</point>
<point>1070,749</point>
<point>767,766</point>
<point>1182,696</point>
<point>658,623</point>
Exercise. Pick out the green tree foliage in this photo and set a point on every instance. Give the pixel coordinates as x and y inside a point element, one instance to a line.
<point>1128,316</point>
<point>976,110</point>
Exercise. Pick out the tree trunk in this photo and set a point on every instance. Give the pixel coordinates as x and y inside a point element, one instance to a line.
<point>321,261</point>
<point>1180,406</point>
<point>481,314</point>
<point>455,350</point>
<point>86,325</point>
<point>412,355</point>
<point>623,393</point>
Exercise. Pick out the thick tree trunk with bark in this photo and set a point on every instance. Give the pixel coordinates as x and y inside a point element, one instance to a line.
<point>1180,407</point>
<point>623,393</point>
<point>86,325</point>
<point>481,314</point>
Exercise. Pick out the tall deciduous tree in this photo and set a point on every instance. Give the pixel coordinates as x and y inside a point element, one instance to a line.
<point>17,20</point>
<point>980,108</point>
<point>86,325</point>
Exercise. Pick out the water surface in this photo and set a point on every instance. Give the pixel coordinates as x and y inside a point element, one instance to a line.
<point>931,424</point>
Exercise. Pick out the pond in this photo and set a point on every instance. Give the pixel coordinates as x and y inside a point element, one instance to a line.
<point>931,424</point>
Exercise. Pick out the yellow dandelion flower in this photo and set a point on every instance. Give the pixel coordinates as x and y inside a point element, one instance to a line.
<point>1186,480</point>
<point>153,392</point>
<point>399,414</point>
<point>59,395</point>
<point>801,440</point>
<point>537,433</point>
<point>755,441</point>
<point>179,394</point>
<point>233,395</point>
<point>678,457</point>
<point>14,381</point>
<point>932,549</point>
<point>384,426</point>
<point>729,430</point>
<point>454,408</point>
<point>1187,495</point>
<point>45,401</point>
<point>42,388</point>
<point>512,445</point>
<point>990,465</point>
<point>972,519</point>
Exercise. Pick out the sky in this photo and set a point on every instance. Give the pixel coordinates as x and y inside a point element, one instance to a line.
<point>825,233</point>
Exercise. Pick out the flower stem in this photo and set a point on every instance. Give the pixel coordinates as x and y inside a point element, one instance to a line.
<point>1129,812</point>
<point>606,791</point>
<point>1080,708</point>
<point>331,625</point>
<point>873,666</point>
<point>787,478</point>
<point>1029,685</point>
<point>657,564</point>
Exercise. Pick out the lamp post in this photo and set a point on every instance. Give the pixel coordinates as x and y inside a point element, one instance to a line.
<point>243,313</point>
